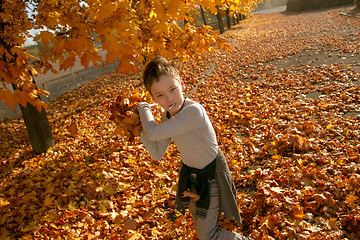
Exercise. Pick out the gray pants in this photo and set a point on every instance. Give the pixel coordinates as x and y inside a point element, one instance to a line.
<point>207,229</point>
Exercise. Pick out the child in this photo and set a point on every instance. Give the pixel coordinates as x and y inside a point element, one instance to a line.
<point>205,182</point>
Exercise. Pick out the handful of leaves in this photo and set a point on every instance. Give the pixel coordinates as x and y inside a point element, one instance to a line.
<point>125,115</point>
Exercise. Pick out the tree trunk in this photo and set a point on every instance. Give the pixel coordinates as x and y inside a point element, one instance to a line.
<point>228,22</point>
<point>203,15</point>
<point>220,21</point>
<point>357,4</point>
<point>38,127</point>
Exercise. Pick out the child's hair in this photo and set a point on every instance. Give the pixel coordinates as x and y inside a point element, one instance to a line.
<point>157,67</point>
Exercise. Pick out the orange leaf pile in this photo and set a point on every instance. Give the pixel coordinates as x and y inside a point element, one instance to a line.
<point>125,115</point>
<point>285,106</point>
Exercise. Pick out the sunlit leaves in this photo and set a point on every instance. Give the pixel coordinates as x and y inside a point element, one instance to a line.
<point>9,98</point>
<point>129,32</point>
<point>125,115</point>
<point>46,37</point>
<point>290,135</point>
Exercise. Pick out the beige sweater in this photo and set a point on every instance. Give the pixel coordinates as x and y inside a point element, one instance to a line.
<point>190,129</point>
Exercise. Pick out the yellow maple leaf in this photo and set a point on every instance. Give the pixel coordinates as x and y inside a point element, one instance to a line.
<point>9,98</point>
<point>49,201</point>
<point>297,211</point>
<point>351,199</point>
<point>105,10</point>
<point>94,57</point>
<point>153,14</point>
<point>22,98</point>
<point>29,227</point>
<point>77,43</point>
<point>59,47</point>
<point>33,71</point>
<point>332,223</point>
<point>136,236</point>
<point>102,206</point>
<point>28,236</point>
<point>45,37</point>
<point>3,202</point>
<point>68,62</point>
<point>72,205</point>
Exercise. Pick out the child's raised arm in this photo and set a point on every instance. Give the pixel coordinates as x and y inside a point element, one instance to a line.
<point>158,148</point>
<point>189,119</point>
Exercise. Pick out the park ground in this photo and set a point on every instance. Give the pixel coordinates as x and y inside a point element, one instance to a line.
<point>285,106</point>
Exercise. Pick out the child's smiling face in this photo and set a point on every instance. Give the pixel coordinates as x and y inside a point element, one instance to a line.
<point>168,93</point>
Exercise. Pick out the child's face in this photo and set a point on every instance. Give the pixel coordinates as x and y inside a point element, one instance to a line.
<point>168,93</point>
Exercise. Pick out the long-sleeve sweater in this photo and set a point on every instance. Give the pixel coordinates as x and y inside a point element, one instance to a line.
<point>190,129</point>
<point>195,138</point>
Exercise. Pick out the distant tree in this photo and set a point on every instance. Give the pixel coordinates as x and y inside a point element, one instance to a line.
<point>202,14</point>
<point>220,21</point>
<point>228,22</point>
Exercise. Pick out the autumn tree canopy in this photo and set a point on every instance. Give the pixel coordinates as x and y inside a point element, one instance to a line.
<point>129,31</point>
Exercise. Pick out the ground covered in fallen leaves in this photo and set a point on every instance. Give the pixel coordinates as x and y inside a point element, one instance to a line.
<point>290,134</point>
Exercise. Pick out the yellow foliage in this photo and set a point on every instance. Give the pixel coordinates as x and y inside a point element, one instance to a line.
<point>128,31</point>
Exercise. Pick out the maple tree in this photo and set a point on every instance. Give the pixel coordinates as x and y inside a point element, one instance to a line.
<point>294,159</point>
<point>129,31</point>
<point>70,29</point>
<point>15,71</point>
